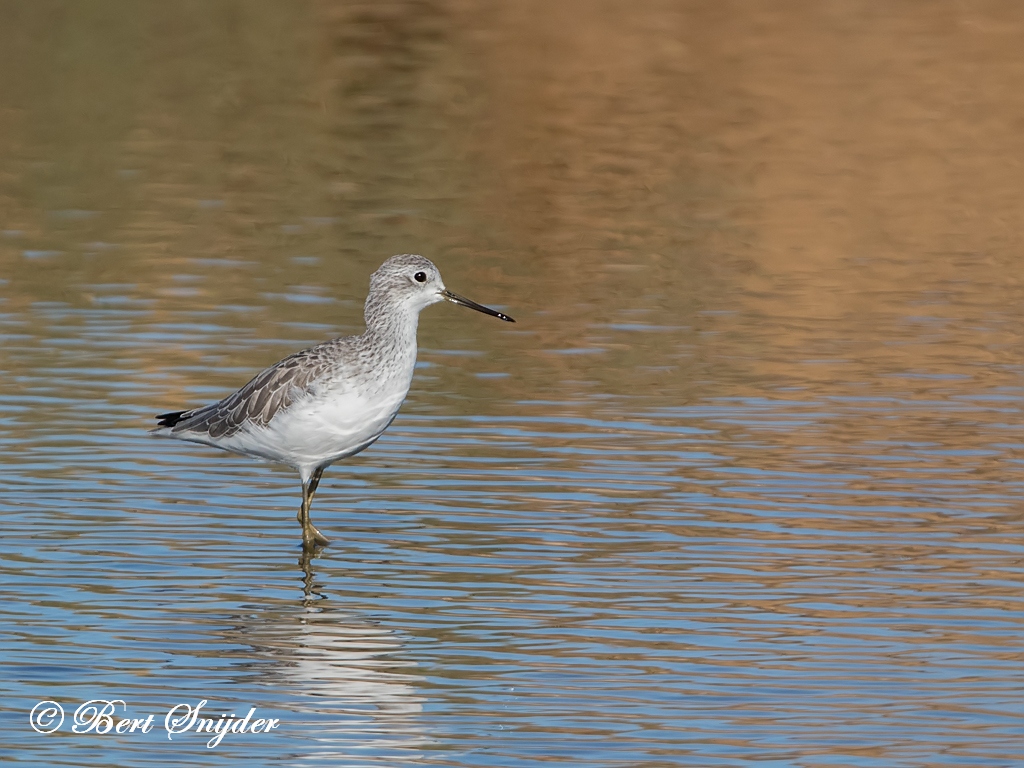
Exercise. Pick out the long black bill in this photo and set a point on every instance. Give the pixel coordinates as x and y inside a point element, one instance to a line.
<point>456,299</point>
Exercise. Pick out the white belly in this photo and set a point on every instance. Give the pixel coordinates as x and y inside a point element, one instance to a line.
<point>319,430</point>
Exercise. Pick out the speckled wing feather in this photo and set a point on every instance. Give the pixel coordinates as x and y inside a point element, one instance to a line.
<point>269,393</point>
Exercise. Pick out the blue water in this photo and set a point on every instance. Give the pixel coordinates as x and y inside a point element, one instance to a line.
<point>591,581</point>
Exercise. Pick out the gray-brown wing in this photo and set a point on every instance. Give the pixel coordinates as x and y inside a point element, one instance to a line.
<point>270,392</point>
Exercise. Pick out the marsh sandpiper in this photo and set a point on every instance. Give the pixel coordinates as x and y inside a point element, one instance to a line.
<point>332,400</point>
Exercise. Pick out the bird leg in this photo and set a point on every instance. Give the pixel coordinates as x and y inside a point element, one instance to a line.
<point>311,537</point>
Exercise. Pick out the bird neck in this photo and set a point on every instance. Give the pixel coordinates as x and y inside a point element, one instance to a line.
<point>390,325</point>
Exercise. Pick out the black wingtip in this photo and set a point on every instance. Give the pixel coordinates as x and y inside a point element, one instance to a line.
<point>170,419</point>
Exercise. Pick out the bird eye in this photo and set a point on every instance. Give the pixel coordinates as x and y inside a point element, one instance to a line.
<point>420,277</point>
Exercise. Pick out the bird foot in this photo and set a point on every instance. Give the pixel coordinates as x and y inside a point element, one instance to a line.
<point>312,538</point>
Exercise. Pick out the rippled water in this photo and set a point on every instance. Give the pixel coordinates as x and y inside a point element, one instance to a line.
<point>742,485</point>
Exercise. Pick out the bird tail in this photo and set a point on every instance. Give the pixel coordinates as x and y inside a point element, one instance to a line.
<point>172,418</point>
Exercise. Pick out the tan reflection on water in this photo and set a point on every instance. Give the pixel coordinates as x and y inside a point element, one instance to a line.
<point>814,204</point>
<point>827,162</point>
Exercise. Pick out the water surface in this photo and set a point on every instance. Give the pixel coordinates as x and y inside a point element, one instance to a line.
<point>741,486</point>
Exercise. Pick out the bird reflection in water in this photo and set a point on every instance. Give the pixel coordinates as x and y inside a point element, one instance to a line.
<point>349,679</point>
